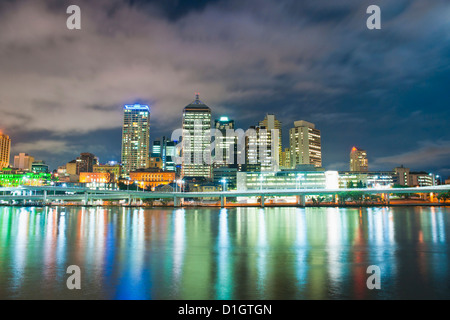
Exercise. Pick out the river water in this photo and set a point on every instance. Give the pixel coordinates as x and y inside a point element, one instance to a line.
<point>239,253</point>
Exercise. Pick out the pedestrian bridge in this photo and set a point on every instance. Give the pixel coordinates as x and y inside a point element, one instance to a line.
<point>49,194</point>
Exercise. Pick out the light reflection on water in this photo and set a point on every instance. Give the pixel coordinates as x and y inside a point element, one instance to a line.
<point>243,253</point>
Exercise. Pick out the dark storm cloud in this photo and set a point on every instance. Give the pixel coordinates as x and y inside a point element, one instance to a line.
<point>314,60</point>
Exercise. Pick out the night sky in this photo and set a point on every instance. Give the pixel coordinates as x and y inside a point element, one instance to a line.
<point>386,91</point>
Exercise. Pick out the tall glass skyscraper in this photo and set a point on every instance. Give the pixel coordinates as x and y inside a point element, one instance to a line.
<point>196,144</point>
<point>135,137</point>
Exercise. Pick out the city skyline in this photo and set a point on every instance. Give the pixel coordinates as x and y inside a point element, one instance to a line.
<point>358,86</point>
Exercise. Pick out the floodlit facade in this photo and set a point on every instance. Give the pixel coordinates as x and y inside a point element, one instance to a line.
<point>305,144</point>
<point>112,168</point>
<point>196,144</point>
<point>5,150</point>
<point>135,137</point>
<point>151,179</point>
<point>98,177</point>
<point>358,160</point>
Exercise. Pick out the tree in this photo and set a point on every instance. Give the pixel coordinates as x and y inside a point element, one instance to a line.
<point>350,185</point>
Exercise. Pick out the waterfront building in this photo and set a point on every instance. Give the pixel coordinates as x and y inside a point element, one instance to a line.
<point>148,179</point>
<point>261,147</point>
<point>98,177</point>
<point>402,176</point>
<point>225,143</point>
<point>135,137</point>
<point>305,144</point>
<point>286,179</point>
<point>39,166</point>
<point>374,179</point>
<point>9,178</point>
<point>358,160</point>
<point>196,144</point>
<point>111,167</point>
<point>421,179</point>
<point>272,124</point>
<point>5,150</point>
<point>23,161</point>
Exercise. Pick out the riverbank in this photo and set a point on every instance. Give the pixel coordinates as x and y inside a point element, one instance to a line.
<point>402,203</point>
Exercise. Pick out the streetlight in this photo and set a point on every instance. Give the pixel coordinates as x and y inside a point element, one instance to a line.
<point>223,183</point>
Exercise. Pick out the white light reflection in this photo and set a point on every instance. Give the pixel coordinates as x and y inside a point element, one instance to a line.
<point>262,250</point>
<point>224,263</point>
<point>178,246</point>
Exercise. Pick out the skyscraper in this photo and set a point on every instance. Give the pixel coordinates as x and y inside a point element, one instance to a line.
<point>196,144</point>
<point>261,148</point>
<point>225,143</point>
<point>305,144</point>
<point>135,137</point>
<point>165,149</point>
<point>271,123</point>
<point>5,150</point>
<point>358,160</point>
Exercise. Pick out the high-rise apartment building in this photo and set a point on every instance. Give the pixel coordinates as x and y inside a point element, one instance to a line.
<point>305,144</point>
<point>5,150</point>
<point>135,137</point>
<point>358,160</point>
<point>23,161</point>
<point>225,143</point>
<point>271,123</point>
<point>196,145</point>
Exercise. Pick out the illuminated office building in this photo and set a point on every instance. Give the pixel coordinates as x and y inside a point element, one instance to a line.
<point>358,160</point>
<point>261,148</point>
<point>225,143</point>
<point>135,137</point>
<point>305,144</point>
<point>165,149</point>
<point>271,123</point>
<point>196,144</point>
